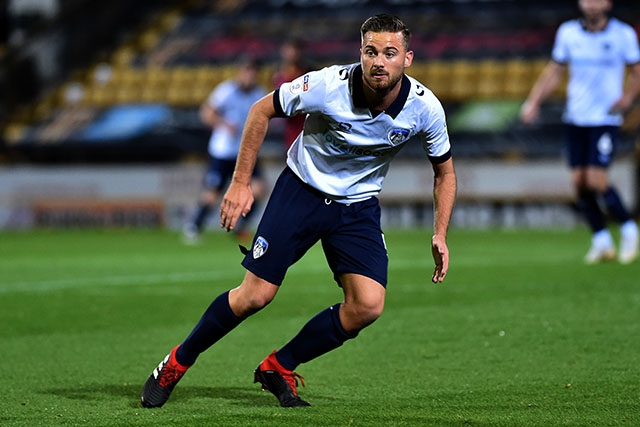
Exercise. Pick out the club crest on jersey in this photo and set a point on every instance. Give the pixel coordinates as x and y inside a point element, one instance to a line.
<point>260,247</point>
<point>396,136</point>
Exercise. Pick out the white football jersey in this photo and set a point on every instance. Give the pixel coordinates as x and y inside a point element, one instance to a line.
<point>597,62</point>
<point>233,104</point>
<point>345,149</point>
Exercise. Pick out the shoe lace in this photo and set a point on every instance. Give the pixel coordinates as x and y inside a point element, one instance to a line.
<point>292,380</point>
<point>170,376</point>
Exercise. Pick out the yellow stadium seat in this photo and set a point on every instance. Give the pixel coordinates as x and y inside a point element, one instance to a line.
<point>437,77</point>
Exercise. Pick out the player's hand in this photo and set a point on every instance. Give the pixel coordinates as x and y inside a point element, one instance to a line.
<point>231,127</point>
<point>621,106</point>
<point>440,253</point>
<point>529,113</point>
<point>237,201</point>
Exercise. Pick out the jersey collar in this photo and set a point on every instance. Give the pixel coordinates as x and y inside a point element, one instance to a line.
<point>584,26</point>
<point>357,93</point>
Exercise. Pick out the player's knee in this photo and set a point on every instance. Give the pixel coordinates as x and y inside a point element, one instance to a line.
<point>251,296</point>
<point>209,197</point>
<point>244,305</point>
<point>361,314</point>
<point>372,313</point>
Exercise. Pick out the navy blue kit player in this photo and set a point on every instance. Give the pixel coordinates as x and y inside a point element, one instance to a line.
<point>358,117</point>
<point>596,49</point>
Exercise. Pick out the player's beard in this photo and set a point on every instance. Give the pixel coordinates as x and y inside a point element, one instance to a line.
<point>382,85</point>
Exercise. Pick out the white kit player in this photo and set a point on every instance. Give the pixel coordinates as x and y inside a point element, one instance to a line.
<point>596,49</point>
<point>357,119</point>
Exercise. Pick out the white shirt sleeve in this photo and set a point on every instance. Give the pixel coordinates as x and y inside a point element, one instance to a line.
<point>631,49</point>
<point>305,94</point>
<point>560,51</point>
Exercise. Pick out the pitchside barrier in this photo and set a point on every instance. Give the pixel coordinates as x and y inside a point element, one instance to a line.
<point>69,213</point>
<point>491,193</point>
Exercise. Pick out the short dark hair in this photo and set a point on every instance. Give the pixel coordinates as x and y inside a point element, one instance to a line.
<point>385,23</point>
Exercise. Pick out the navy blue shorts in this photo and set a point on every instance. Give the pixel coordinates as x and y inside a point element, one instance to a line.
<point>220,171</point>
<point>591,146</point>
<point>297,216</point>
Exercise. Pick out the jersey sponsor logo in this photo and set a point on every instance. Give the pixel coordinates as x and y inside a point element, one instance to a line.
<point>419,90</point>
<point>342,126</point>
<point>342,147</point>
<point>343,73</point>
<point>397,136</point>
<point>260,247</point>
<point>301,84</point>
<point>295,87</point>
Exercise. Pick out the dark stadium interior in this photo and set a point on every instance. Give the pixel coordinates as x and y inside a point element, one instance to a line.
<point>70,76</point>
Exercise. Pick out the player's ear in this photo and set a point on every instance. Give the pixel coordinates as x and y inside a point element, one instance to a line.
<point>408,58</point>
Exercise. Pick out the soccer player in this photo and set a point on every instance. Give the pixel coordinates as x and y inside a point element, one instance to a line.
<point>359,117</point>
<point>225,111</point>
<point>292,66</point>
<point>596,49</point>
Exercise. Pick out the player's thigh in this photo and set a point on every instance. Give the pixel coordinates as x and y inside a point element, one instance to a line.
<point>579,177</point>
<point>577,146</point>
<point>596,178</point>
<point>357,243</point>
<point>602,142</point>
<point>218,174</point>
<point>293,221</point>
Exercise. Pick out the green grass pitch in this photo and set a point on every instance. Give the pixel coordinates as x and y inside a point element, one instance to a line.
<point>520,334</point>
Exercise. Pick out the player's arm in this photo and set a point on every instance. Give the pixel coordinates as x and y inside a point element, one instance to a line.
<point>239,197</point>
<point>631,90</point>
<point>444,195</point>
<point>545,85</point>
<point>210,117</point>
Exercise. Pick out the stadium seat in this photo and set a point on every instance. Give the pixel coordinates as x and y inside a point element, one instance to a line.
<point>519,76</point>
<point>153,93</point>
<point>464,81</point>
<point>437,77</point>
<point>180,96</point>
<point>128,94</point>
<point>156,76</point>
<point>123,56</point>
<point>490,79</point>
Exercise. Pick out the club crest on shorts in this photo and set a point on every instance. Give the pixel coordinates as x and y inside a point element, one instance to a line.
<point>260,247</point>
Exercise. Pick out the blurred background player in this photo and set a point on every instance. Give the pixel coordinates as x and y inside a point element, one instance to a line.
<point>292,65</point>
<point>225,111</point>
<point>596,49</point>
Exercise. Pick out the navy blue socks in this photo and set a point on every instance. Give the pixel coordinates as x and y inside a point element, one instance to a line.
<point>321,334</point>
<point>215,323</point>
<point>201,216</point>
<point>588,203</point>
<point>615,206</point>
